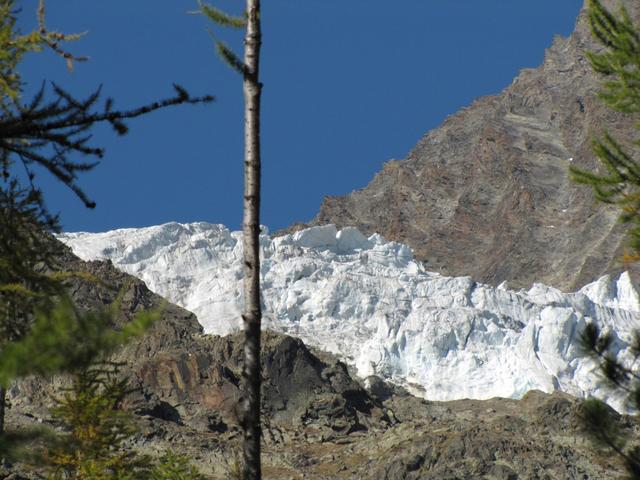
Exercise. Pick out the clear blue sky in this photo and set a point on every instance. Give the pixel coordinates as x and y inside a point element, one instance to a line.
<point>349,84</point>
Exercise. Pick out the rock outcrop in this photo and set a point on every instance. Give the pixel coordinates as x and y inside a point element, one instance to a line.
<point>487,194</point>
<point>374,306</point>
<point>319,423</point>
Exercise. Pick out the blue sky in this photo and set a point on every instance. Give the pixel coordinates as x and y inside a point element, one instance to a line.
<point>349,84</point>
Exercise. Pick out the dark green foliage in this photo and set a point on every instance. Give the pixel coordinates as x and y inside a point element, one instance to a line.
<point>223,19</point>
<point>27,256</point>
<point>96,429</point>
<point>620,64</point>
<point>604,426</point>
<point>41,332</point>
<point>45,133</point>
<point>602,421</point>
<point>65,339</point>
<point>600,346</point>
<point>175,467</point>
<point>229,57</point>
<point>598,418</point>
<point>26,445</point>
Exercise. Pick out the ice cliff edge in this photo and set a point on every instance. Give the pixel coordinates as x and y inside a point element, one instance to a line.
<point>367,300</point>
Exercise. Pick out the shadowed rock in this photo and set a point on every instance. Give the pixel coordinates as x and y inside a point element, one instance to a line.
<point>318,421</point>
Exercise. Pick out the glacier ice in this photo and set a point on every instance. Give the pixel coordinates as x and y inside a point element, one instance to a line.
<point>368,301</point>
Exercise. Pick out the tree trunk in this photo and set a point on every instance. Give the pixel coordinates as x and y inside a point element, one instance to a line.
<point>3,404</point>
<point>251,232</point>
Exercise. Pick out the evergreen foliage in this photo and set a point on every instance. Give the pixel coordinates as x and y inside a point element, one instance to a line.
<point>91,411</point>
<point>41,331</point>
<point>619,63</point>
<point>602,424</point>
<point>175,467</point>
<point>599,419</point>
<point>14,46</point>
<point>27,256</point>
<point>45,133</point>
<point>223,19</point>
<point>97,429</point>
<point>65,339</point>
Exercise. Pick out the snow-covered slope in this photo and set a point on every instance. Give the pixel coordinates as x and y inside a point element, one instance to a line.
<point>368,301</point>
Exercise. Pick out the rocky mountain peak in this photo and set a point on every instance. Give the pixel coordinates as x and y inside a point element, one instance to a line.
<point>488,194</point>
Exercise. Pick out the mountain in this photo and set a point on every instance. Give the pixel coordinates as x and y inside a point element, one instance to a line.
<point>186,385</point>
<point>369,302</point>
<point>384,315</point>
<point>318,422</point>
<point>487,194</point>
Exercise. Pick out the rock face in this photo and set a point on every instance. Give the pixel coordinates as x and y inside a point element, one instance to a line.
<point>182,375</point>
<point>487,194</point>
<point>319,423</point>
<point>186,384</point>
<point>370,303</point>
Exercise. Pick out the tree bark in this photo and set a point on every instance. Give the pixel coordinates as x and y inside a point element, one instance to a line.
<point>252,314</point>
<point>3,404</point>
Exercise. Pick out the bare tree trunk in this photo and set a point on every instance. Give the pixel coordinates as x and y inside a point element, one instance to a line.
<point>3,404</point>
<point>252,314</point>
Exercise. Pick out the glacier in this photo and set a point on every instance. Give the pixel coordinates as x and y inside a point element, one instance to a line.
<point>368,301</point>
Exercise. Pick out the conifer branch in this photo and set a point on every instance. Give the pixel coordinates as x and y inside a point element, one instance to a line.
<point>221,18</point>
<point>46,134</point>
<point>66,339</point>
<point>230,58</point>
<point>603,426</point>
<point>54,39</point>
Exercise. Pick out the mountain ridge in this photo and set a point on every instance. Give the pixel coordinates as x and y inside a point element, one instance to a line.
<point>487,194</point>
<point>370,302</point>
<point>318,422</point>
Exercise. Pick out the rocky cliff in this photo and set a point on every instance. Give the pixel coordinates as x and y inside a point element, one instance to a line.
<point>487,194</point>
<point>319,422</point>
<point>374,306</point>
